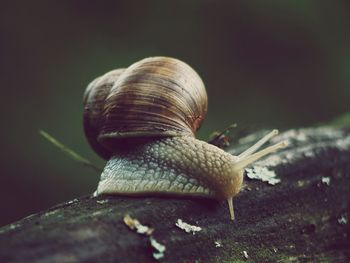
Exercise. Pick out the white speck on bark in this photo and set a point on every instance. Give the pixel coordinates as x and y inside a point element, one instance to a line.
<point>134,224</point>
<point>160,249</point>
<point>187,227</point>
<point>326,180</point>
<point>343,220</point>
<point>218,244</point>
<point>245,254</point>
<point>101,202</point>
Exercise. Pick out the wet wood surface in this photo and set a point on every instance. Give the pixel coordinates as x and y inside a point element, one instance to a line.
<point>303,217</point>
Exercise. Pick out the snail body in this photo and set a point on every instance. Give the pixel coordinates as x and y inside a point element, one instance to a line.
<point>165,166</point>
<point>143,119</point>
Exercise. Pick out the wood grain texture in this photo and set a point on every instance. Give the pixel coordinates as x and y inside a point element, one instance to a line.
<point>300,219</point>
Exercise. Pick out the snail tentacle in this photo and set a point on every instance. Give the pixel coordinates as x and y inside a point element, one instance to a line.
<point>241,163</point>
<point>258,144</point>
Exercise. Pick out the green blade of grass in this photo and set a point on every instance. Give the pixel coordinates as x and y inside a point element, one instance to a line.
<point>72,154</point>
<point>226,130</point>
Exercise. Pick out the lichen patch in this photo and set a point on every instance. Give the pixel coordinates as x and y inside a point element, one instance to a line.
<point>262,174</point>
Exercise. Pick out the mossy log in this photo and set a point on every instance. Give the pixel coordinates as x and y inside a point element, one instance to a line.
<point>301,218</point>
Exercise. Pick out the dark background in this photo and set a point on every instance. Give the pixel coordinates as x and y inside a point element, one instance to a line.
<point>277,64</point>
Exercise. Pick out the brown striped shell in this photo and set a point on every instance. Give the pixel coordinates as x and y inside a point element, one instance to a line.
<point>93,100</point>
<point>157,96</point>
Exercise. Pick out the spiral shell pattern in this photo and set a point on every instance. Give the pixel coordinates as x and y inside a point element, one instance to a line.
<point>154,97</point>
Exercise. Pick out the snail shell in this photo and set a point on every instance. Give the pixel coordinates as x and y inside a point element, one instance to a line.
<point>94,100</point>
<point>154,97</point>
<point>143,119</point>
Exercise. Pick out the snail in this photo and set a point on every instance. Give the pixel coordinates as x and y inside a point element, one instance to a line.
<point>143,120</point>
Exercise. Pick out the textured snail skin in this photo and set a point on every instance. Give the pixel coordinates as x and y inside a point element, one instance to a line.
<point>172,165</point>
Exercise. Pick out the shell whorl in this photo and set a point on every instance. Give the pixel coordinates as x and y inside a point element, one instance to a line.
<point>93,101</point>
<point>154,97</point>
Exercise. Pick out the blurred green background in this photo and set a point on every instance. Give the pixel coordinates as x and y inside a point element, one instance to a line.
<point>277,64</point>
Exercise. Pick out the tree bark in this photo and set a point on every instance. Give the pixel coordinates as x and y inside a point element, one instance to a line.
<point>303,218</point>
